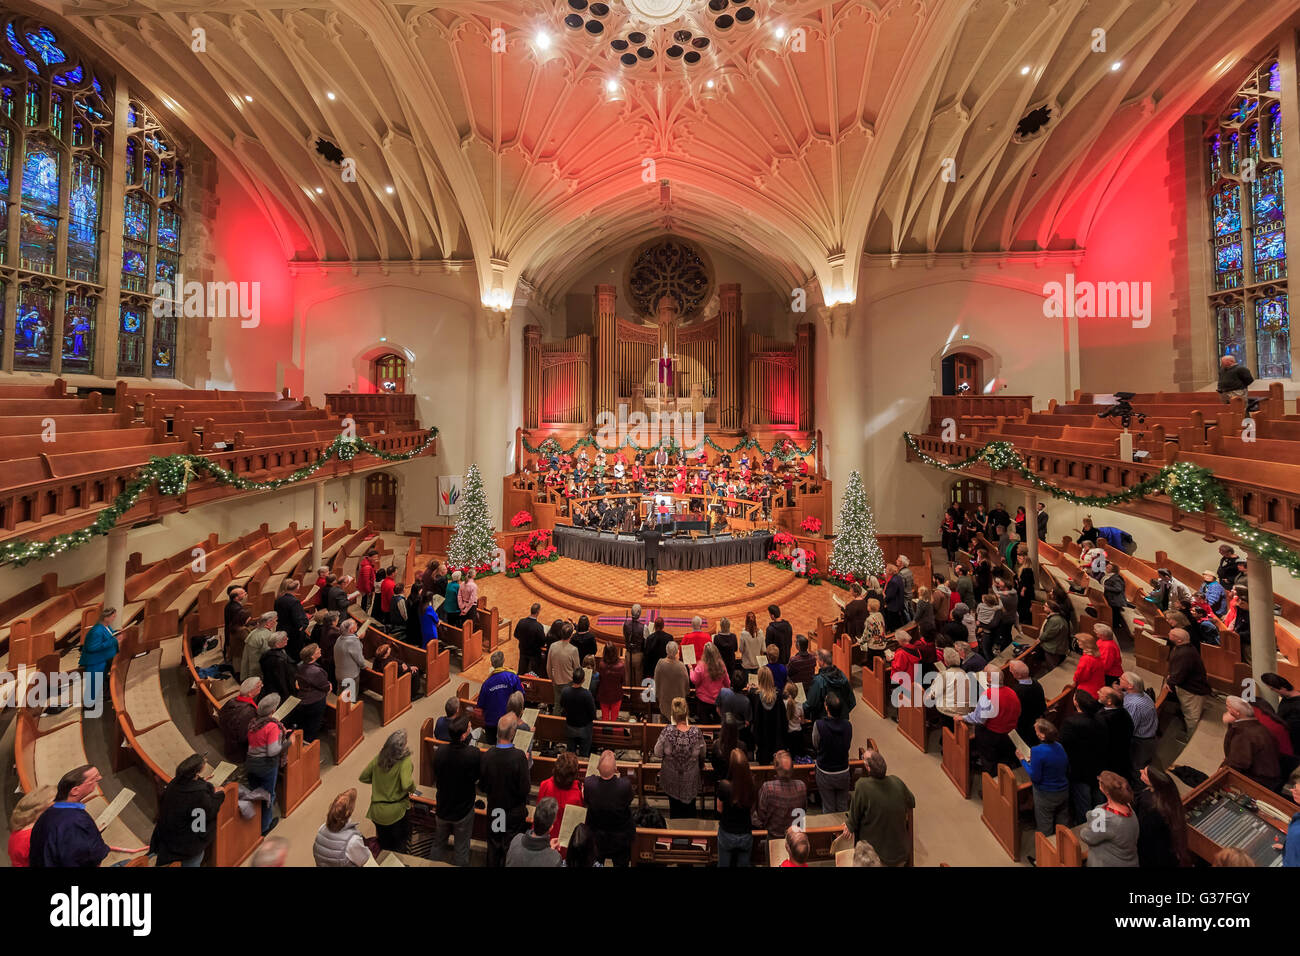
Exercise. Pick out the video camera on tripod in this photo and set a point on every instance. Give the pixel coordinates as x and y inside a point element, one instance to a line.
<point>1123,410</point>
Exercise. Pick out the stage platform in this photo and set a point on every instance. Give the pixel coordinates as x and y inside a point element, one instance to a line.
<point>675,554</point>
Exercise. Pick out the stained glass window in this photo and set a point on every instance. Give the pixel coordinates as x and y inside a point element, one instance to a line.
<point>1230,322</point>
<point>83,221</point>
<point>1273,337</point>
<point>135,225</point>
<point>41,175</point>
<point>1227,237</point>
<point>79,331</point>
<point>42,41</point>
<point>130,339</point>
<point>1269,214</point>
<point>164,347</point>
<point>1275,131</point>
<point>1275,77</point>
<point>34,329</point>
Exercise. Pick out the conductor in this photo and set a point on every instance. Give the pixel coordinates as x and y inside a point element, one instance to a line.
<point>651,538</point>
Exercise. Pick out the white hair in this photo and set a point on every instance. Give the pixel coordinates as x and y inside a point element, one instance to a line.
<point>455,575</point>
<point>904,561</point>
<point>697,622</point>
<point>1240,707</point>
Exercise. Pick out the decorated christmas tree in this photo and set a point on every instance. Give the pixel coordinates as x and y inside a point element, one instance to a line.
<point>856,550</point>
<point>472,543</point>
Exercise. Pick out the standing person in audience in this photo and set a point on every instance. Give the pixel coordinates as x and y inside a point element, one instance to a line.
<point>1288,705</point>
<point>696,638</point>
<point>728,645</point>
<point>803,664</point>
<point>366,579</point>
<point>709,677</point>
<point>656,648</point>
<point>672,680</point>
<point>734,803</point>
<point>1119,732</point>
<point>1186,675</point>
<point>391,777</point>
<point>1090,672</point>
<point>495,693</point>
<point>634,643</point>
<point>400,615</point>
<point>290,616</point>
<point>1054,636</point>
<point>923,613</point>
<point>1040,517</point>
<point>467,598</point>
<point>1162,822</point>
<point>313,690</point>
<point>1084,739</point>
<point>797,848</point>
<point>779,632</point>
<point>235,615</point>
<point>531,637</point>
<point>279,673</point>
<point>268,741</point>
<point>768,716</point>
<point>457,768</point>
<point>257,643</point>
<point>235,716</point>
<point>1142,710</point>
<point>26,812</point>
<point>65,835</point>
<point>1234,380</point>
<point>995,715</point>
<point>442,727</point>
<point>988,623</point>
<point>536,847</point>
<point>855,614</point>
<point>505,782</point>
<point>339,841</point>
<point>562,659</point>
<point>895,599</point>
<point>751,644</point>
<point>1048,769</point>
<point>829,679</point>
<point>349,661</point>
<point>680,746</point>
<point>608,796</point>
<point>451,601</point>
<point>1026,589</point>
<point>579,713</point>
<point>878,811</point>
<point>779,798</point>
<point>583,639</point>
<point>1248,747</point>
<point>564,787</point>
<point>832,736</point>
<point>1111,833</point>
<point>609,690</point>
<point>1228,573</point>
<point>428,619</point>
<point>1290,846</point>
<point>1033,701</point>
<point>97,653</point>
<point>387,590</point>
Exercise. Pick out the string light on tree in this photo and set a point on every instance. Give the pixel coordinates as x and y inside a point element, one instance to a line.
<point>856,550</point>
<point>473,542</point>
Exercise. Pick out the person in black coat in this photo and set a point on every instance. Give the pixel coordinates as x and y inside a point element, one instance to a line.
<point>779,632</point>
<point>1084,738</point>
<point>895,599</point>
<point>532,638</point>
<point>656,648</point>
<point>1033,702</point>
<point>291,616</point>
<point>178,835</point>
<point>279,674</point>
<point>504,780</point>
<point>1119,732</point>
<point>1162,821</point>
<point>583,639</point>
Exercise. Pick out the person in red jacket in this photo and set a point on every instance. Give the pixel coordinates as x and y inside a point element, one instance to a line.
<point>1108,651</point>
<point>366,580</point>
<point>1090,674</point>
<point>386,588</point>
<point>994,717</point>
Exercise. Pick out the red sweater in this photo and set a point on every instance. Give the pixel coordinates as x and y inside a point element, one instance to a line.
<point>1112,665</point>
<point>386,590</point>
<point>366,577</point>
<point>1008,715</point>
<point>1090,675</point>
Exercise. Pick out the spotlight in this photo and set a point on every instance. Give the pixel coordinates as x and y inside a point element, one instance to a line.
<point>611,86</point>
<point>320,189</point>
<point>1024,71</point>
<point>543,41</point>
<point>780,33</point>
<point>1115,66</point>
<point>329,96</point>
<point>709,84</point>
<point>389,190</point>
<point>247,98</point>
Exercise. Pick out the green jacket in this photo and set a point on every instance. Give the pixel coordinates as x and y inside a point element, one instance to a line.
<point>390,790</point>
<point>1055,635</point>
<point>878,814</point>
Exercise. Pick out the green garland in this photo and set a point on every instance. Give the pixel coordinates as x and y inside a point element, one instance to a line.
<point>552,446</point>
<point>172,475</point>
<point>1191,488</point>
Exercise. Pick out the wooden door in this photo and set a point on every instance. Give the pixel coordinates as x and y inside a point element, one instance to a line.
<point>969,493</point>
<point>381,502</point>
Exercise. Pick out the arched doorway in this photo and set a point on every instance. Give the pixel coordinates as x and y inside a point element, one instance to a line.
<point>381,501</point>
<point>963,374</point>
<point>969,493</point>
<point>388,372</point>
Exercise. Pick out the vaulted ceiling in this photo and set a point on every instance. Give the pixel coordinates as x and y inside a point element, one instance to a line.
<point>799,140</point>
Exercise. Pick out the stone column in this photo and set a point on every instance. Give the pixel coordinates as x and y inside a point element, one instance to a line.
<point>729,323</point>
<point>115,570</point>
<point>491,439</point>
<point>606,325</point>
<point>532,375</point>
<point>847,416</point>
<point>803,350</point>
<point>1263,637</point>
<point>317,524</point>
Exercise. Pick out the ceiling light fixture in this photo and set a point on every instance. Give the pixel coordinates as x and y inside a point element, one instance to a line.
<point>320,190</point>
<point>388,189</point>
<point>1116,65</point>
<point>709,84</point>
<point>780,32</point>
<point>1024,71</point>
<point>247,98</point>
<point>329,95</point>
<point>611,86</point>
<point>543,41</point>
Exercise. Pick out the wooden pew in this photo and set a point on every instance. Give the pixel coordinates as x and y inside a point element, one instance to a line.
<point>876,686</point>
<point>391,691</point>
<point>1064,850</point>
<point>956,756</point>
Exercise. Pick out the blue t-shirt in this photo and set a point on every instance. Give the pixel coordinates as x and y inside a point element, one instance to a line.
<point>1048,767</point>
<point>495,693</point>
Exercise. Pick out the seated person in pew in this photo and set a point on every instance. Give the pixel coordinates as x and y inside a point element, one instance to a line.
<point>1111,831</point>
<point>878,811</point>
<point>1048,769</point>
<point>797,848</point>
<point>781,799</point>
<point>313,688</point>
<point>27,811</point>
<point>608,796</point>
<point>339,841</point>
<point>65,835</point>
<point>235,716</point>
<point>187,816</point>
<point>457,768</point>
<point>536,847</point>
<point>995,715</point>
<point>1203,630</point>
<point>1290,847</point>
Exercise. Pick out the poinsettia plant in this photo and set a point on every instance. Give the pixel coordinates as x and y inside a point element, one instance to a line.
<point>783,538</point>
<point>812,524</point>
<point>521,519</point>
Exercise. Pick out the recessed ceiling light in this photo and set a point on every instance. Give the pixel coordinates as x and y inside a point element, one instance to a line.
<point>388,189</point>
<point>1024,71</point>
<point>965,335</point>
<point>247,98</point>
<point>709,84</point>
<point>1116,65</point>
<point>383,338</point>
<point>780,33</point>
<point>543,41</point>
<point>329,95</point>
<point>611,86</point>
<point>320,189</point>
